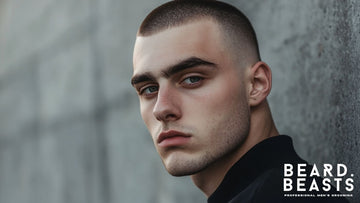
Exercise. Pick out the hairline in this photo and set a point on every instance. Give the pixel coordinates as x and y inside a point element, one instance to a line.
<point>226,34</point>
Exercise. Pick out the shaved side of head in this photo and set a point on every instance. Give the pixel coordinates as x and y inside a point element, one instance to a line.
<point>238,33</point>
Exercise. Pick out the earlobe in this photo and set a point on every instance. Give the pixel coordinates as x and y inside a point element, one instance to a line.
<point>260,86</point>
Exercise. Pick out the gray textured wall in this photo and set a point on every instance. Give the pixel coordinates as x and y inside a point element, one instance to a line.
<point>70,128</point>
<point>313,48</point>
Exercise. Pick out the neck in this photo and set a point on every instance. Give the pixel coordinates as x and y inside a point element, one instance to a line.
<point>261,127</point>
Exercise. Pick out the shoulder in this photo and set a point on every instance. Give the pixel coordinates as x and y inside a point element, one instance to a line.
<point>265,188</point>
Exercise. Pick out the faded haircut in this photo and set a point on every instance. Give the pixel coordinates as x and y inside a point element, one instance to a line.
<point>238,30</point>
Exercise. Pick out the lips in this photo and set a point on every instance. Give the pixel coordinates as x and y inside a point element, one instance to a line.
<point>172,138</point>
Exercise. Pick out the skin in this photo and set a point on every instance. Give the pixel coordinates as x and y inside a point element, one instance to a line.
<point>218,104</point>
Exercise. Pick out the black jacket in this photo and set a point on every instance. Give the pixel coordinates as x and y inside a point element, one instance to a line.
<point>258,177</point>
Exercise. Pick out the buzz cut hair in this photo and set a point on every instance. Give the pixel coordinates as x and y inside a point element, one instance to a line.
<point>235,26</point>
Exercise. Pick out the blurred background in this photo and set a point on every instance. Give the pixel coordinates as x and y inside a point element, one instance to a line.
<point>70,127</point>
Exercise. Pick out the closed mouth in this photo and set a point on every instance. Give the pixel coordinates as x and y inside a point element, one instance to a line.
<point>170,134</point>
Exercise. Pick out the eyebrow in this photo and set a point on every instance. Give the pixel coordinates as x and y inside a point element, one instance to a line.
<point>181,66</point>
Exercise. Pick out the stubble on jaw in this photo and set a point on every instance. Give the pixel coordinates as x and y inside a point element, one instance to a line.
<point>224,130</point>
<point>222,152</point>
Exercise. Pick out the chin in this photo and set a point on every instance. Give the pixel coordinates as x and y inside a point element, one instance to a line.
<point>182,171</point>
<point>180,166</point>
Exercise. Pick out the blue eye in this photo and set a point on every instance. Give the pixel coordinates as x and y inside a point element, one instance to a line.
<point>149,90</point>
<point>192,80</point>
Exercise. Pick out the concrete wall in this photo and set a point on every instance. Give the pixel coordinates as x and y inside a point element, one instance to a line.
<point>313,48</point>
<point>70,129</point>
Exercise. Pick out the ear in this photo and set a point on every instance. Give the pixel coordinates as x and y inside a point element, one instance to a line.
<point>260,86</point>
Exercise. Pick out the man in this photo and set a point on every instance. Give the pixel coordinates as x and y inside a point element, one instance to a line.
<point>202,90</point>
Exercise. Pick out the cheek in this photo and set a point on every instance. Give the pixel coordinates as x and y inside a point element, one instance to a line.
<point>217,99</point>
<point>219,106</point>
<point>146,114</point>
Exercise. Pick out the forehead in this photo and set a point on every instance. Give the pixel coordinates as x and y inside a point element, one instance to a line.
<point>202,39</point>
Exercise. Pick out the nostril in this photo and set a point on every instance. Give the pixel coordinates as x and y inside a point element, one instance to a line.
<point>166,112</point>
<point>166,115</point>
<point>167,106</point>
<point>170,117</point>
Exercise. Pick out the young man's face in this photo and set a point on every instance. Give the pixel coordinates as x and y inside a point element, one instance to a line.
<point>193,97</point>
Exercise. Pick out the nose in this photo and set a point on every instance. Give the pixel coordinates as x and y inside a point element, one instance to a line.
<point>167,106</point>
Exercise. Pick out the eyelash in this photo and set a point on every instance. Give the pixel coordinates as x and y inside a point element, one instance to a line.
<point>182,83</point>
<point>142,90</point>
<point>193,84</point>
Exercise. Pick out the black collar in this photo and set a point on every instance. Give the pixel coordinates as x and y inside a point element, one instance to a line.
<point>268,154</point>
